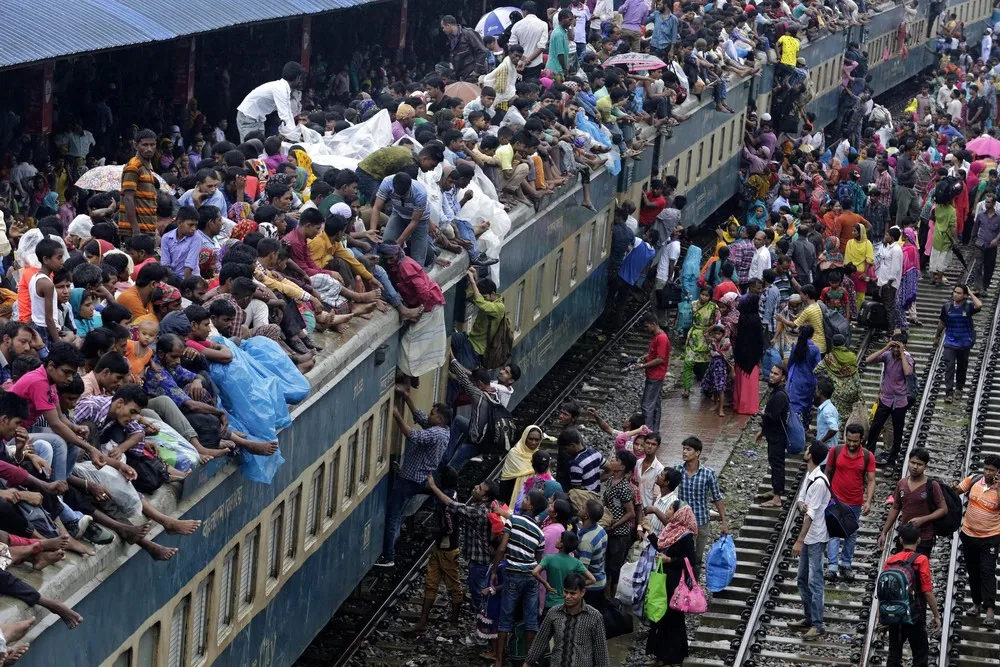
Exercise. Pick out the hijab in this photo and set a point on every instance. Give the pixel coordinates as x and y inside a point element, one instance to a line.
<point>831,248</point>
<point>749,343</point>
<point>680,524</point>
<point>911,255</point>
<point>304,163</point>
<point>517,463</point>
<point>841,360</point>
<point>175,323</point>
<point>859,251</point>
<point>758,221</point>
<point>83,327</point>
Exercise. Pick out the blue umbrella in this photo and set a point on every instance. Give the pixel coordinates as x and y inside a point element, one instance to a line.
<point>494,23</point>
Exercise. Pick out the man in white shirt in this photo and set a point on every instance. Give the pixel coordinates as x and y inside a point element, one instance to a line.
<point>761,257</point>
<point>890,273</point>
<point>77,141</point>
<point>273,96</point>
<point>811,543</point>
<point>954,108</point>
<point>648,470</point>
<point>532,34</point>
<point>666,267</point>
<point>943,96</point>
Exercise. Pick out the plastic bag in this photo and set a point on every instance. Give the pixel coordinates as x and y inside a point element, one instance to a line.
<point>858,416</point>
<point>624,592</point>
<point>173,449</point>
<point>269,354</point>
<point>771,358</point>
<point>720,566</point>
<point>684,316</point>
<point>795,433</point>
<point>656,593</point>
<point>259,468</point>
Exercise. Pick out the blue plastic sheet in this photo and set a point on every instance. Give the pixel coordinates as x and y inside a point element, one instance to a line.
<point>251,396</point>
<point>594,130</point>
<point>269,354</point>
<point>720,566</point>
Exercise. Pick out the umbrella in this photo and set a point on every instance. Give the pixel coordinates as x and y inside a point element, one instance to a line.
<point>634,62</point>
<point>494,23</point>
<point>108,178</point>
<point>985,146</point>
<point>463,91</point>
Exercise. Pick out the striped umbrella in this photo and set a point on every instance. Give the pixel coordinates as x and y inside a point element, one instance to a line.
<point>494,23</point>
<point>634,62</point>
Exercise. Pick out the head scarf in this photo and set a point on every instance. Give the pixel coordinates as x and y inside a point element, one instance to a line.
<point>175,323</point>
<point>268,230</point>
<point>242,214</point>
<point>749,341</point>
<point>168,293</point>
<point>405,112</point>
<point>680,524</point>
<point>81,226</point>
<point>206,261</point>
<point>51,200</point>
<point>831,248</point>
<point>517,463</point>
<point>83,326</point>
<point>389,250</point>
<point>911,254</point>
<point>859,251</point>
<point>759,221</point>
<point>304,163</point>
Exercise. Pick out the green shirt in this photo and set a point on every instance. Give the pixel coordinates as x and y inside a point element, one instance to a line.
<point>558,45</point>
<point>486,322</point>
<point>945,224</point>
<point>387,161</point>
<point>328,202</point>
<point>557,567</point>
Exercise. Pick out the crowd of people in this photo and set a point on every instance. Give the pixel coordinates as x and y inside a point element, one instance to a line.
<point>134,308</point>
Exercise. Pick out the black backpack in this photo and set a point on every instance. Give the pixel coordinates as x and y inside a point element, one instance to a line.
<point>952,521</point>
<point>840,519</point>
<point>493,426</point>
<point>947,189</point>
<point>499,344</point>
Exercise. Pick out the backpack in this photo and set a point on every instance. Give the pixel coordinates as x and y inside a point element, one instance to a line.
<point>894,588</point>
<point>831,468</point>
<point>499,344</point>
<point>840,519</point>
<point>834,323</point>
<point>492,427</point>
<point>946,190</point>
<point>952,521</point>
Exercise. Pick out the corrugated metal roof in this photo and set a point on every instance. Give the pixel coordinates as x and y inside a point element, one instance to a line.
<point>44,29</point>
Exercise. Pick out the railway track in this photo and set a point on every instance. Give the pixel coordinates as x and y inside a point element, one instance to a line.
<point>747,624</point>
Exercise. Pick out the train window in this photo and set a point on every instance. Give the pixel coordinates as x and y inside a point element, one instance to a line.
<point>332,483</point>
<point>227,589</point>
<point>589,246</point>
<point>539,279</point>
<point>366,444</point>
<point>687,167</point>
<point>274,541</point>
<point>732,135</point>
<point>711,152</point>
<point>248,567</point>
<point>351,461</point>
<point>722,143</point>
<point>575,260</point>
<point>701,160</point>
<point>383,433</point>
<point>148,647</point>
<point>314,509</point>
<point>519,307</point>
<point>292,523</point>
<point>435,390</point>
<point>557,274</point>
<point>123,660</point>
<point>202,604</point>
<point>177,648</point>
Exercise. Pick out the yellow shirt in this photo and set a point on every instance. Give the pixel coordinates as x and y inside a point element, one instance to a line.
<point>506,156</point>
<point>323,250</point>
<point>789,50</point>
<point>813,315</point>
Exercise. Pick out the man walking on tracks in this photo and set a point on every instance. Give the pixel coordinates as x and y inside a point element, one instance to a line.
<point>811,543</point>
<point>851,471</point>
<point>981,536</point>
<point>913,502</point>
<point>655,367</point>
<point>906,618</point>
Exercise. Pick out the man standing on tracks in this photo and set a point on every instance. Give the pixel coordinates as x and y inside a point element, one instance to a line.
<point>921,597</point>
<point>912,502</point>
<point>893,398</point>
<point>811,542</point>
<point>981,536</point>
<point>851,471</point>
<point>773,429</point>
<point>700,481</point>
<point>655,367</point>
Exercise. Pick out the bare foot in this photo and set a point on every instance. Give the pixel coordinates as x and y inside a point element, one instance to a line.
<point>481,228</point>
<point>260,448</point>
<point>363,309</point>
<point>133,534</point>
<point>68,616</point>
<point>411,314</point>
<point>14,631</point>
<point>78,547</point>
<point>182,526</point>
<point>43,560</point>
<point>440,261</point>
<point>305,366</point>
<point>773,502</point>
<point>207,454</point>
<point>55,543</point>
<point>157,551</point>
<point>337,320</point>
<point>178,475</point>
<point>367,297</point>
<point>382,306</point>
<point>16,653</point>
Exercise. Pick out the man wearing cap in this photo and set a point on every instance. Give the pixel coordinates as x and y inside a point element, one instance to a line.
<point>765,135</point>
<point>269,97</point>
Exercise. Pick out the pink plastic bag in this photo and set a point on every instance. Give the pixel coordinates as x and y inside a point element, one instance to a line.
<point>688,597</point>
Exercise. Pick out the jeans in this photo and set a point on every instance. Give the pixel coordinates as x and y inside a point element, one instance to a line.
<point>882,413</point>
<point>845,556</point>
<point>955,356</point>
<point>519,588</point>
<point>402,490</point>
<point>466,232</point>
<point>418,242</point>
<point>460,450</point>
<point>64,455</point>
<point>651,404</point>
<point>981,563</point>
<point>811,583</point>
<point>389,292</point>
<point>46,451</point>
<point>466,355</point>
<point>916,635</point>
<point>479,579</point>
<point>982,272</point>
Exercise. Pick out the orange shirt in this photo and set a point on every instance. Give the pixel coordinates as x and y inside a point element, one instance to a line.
<point>24,294</point>
<point>137,364</point>
<point>847,220</point>
<point>982,517</point>
<point>131,299</point>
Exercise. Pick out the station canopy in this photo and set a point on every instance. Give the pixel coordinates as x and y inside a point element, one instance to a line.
<point>44,29</point>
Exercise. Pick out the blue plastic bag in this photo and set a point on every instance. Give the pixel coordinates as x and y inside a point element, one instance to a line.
<point>771,358</point>
<point>684,316</point>
<point>795,433</point>
<point>720,566</point>
<point>269,354</point>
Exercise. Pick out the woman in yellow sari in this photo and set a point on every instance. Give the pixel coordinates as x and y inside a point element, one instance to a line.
<point>303,162</point>
<point>517,464</point>
<point>861,255</point>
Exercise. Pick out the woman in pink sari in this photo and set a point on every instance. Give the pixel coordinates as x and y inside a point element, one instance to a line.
<point>906,296</point>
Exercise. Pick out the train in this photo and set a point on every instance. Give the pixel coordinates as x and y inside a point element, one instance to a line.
<point>272,563</point>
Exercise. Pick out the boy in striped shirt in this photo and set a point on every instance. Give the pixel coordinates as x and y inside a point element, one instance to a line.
<point>585,467</point>
<point>522,543</point>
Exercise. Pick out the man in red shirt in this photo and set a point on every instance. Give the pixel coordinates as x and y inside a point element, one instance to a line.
<point>851,470</point>
<point>655,366</point>
<point>726,285</point>
<point>914,496</point>
<point>921,597</point>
